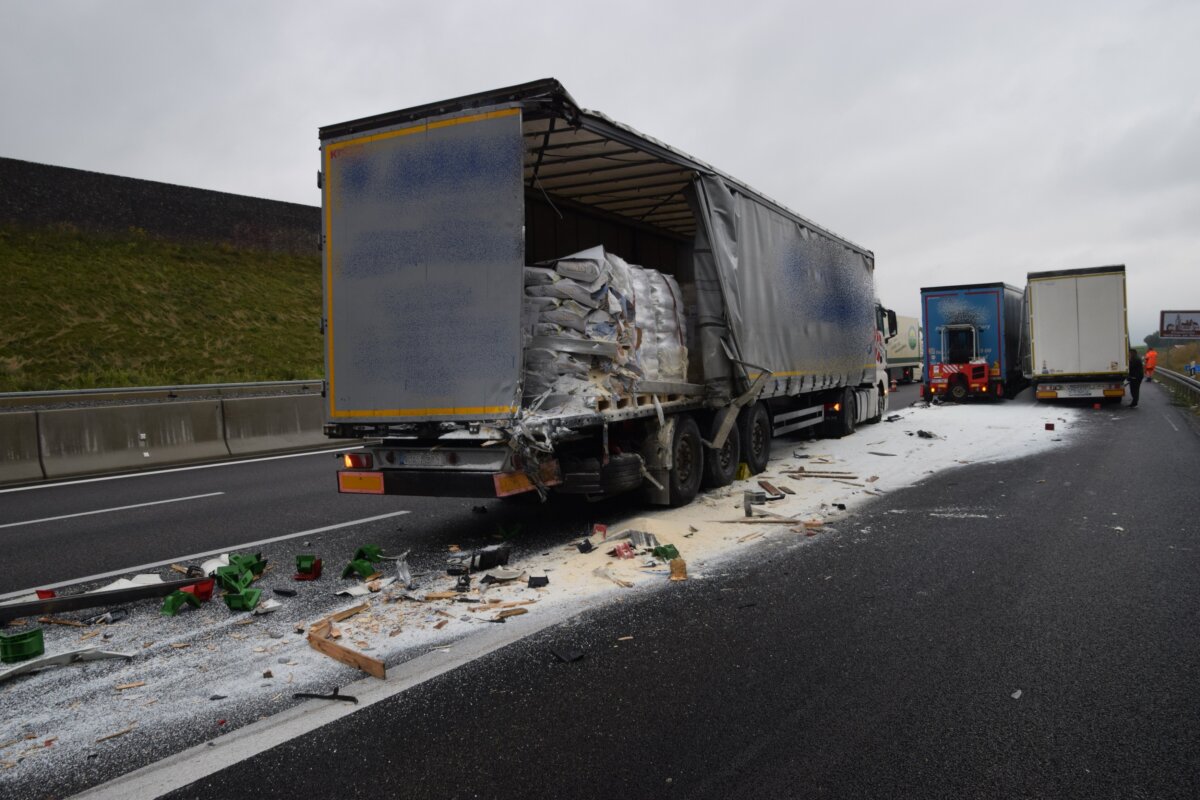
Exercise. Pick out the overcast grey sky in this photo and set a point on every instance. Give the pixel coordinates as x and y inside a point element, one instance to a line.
<point>961,141</point>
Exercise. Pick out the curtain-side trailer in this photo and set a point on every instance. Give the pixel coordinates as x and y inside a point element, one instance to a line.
<point>522,295</point>
<point>972,340</point>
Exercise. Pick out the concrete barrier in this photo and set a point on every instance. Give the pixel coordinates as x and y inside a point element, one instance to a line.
<point>19,457</point>
<point>81,441</point>
<point>274,424</point>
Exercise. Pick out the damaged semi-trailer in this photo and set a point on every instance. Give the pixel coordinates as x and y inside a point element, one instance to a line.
<point>522,295</point>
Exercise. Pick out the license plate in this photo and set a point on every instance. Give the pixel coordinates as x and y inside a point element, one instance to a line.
<point>420,459</point>
<point>1079,391</point>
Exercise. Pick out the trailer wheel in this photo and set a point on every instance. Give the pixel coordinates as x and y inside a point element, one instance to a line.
<point>720,466</point>
<point>687,462</point>
<point>958,390</point>
<point>756,438</point>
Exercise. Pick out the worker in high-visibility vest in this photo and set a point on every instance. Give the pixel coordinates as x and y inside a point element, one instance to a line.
<point>1151,361</point>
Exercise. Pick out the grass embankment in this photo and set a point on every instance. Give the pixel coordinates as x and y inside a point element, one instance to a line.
<point>81,310</point>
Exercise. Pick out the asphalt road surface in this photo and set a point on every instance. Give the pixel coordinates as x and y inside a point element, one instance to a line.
<point>1022,629</point>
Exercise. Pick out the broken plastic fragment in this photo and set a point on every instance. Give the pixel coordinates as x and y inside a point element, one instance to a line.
<point>61,659</point>
<point>267,606</point>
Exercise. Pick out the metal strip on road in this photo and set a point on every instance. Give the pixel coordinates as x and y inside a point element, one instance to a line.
<point>206,554</point>
<point>109,510</point>
<point>58,484</point>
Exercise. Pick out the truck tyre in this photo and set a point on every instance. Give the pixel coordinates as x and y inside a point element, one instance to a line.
<point>756,437</point>
<point>845,425</point>
<point>720,466</point>
<point>880,404</point>
<point>687,462</point>
<point>958,390</point>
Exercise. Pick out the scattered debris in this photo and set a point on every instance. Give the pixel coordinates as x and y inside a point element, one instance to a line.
<point>21,646</point>
<point>678,569</point>
<point>123,591</point>
<point>331,696</point>
<point>176,601</point>
<point>61,659</point>
<point>875,453</point>
<point>121,732</point>
<point>622,550</point>
<point>773,493</point>
<point>268,674</point>
<point>319,634</point>
<point>267,606</point>
<point>602,572</point>
<point>1016,695</point>
<point>538,581</point>
<point>308,568</point>
<point>666,552</point>
<point>585,546</point>
<point>122,687</point>
<point>892,418</point>
<point>927,435</point>
<point>108,617</point>
<point>567,655</point>
<point>285,592</point>
<point>511,612</point>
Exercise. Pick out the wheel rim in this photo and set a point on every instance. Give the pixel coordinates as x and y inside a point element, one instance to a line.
<point>685,461</point>
<point>727,455</point>
<point>758,439</point>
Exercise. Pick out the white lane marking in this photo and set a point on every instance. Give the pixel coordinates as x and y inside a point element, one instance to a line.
<point>57,484</point>
<point>1172,424</point>
<point>109,510</point>
<point>195,763</point>
<point>206,554</point>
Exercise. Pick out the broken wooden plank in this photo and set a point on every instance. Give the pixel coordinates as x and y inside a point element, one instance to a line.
<point>850,483</point>
<point>512,612</point>
<point>60,621</point>
<point>318,642</point>
<point>441,596</point>
<point>121,732</point>
<point>347,613</point>
<point>122,687</point>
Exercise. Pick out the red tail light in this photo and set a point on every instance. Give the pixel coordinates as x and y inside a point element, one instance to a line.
<point>356,460</point>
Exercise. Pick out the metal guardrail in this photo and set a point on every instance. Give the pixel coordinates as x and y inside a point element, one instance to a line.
<point>143,393</point>
<point>1190,386</point>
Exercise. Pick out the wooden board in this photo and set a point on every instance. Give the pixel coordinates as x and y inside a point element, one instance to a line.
<point>317,641</point>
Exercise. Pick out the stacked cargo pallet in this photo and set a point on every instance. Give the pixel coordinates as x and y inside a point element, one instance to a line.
<point>596,326</point>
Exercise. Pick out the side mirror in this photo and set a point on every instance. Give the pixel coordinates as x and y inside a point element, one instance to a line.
<point>891,323</point>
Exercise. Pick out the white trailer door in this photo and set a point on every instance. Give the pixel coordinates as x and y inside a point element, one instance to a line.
<point>1102,343</point>
<point>424,250</point>
<point>1055,329</point>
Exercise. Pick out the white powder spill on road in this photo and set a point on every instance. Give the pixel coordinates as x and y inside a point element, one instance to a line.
<point>53,719</point>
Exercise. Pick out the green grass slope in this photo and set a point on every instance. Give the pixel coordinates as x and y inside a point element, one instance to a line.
<point>82,310</point>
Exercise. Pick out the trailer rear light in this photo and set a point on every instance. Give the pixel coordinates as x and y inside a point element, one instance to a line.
<point>1114,392</point>
<point>983,389</point>
<point>1043,395</point>
<point>356,460</point>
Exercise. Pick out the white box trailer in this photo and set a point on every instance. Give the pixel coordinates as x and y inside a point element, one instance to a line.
<point>904,363</point>
<point>1078,336</point>
<point>432,218</point>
